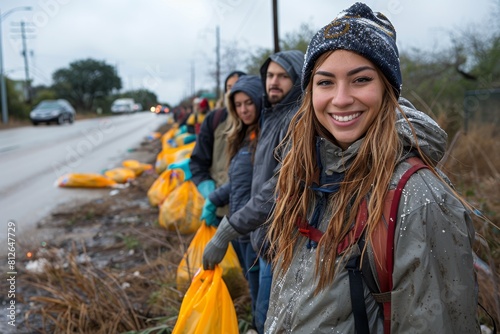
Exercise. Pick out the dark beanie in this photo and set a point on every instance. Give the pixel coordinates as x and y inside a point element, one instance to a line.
<point>358,29</point>
<point>233,73</point>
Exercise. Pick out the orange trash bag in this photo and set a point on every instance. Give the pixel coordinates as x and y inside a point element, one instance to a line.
<point>120,174</point>
<point>207,306</point>
<point>136,166</point>
<point>181,209</point>
<point>193,259</point>
<point>85,180</point>
<point>164,185</point>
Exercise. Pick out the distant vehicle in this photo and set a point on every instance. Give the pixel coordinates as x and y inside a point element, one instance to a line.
<point>160,109</point>
<point>124,105</point>
<point>48,111</point>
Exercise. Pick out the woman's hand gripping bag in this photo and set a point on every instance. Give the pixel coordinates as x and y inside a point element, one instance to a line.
<point>207,306</point>
<point>164,185</point>
<point>192,261</point>
<point>181,209</point>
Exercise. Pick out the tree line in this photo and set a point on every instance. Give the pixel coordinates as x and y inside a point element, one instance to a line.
<point>438,82</point>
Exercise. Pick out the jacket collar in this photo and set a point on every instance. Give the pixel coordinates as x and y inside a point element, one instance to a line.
<point>333,159</point>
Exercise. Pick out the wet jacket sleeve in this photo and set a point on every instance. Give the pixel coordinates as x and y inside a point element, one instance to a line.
<point>434,286</point>
<point>201,157</point>
<point>255,213</point>
<point>220,196</point>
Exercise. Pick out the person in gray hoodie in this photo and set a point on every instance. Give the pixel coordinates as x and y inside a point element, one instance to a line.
<point>346,149</point>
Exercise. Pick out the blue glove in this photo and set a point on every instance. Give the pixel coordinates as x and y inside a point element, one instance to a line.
<point>181,130</point>
<point>208,214</point>
<point>206,187</point>
<point>184,165</point>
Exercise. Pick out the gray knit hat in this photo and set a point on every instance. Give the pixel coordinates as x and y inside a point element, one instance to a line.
<point>358,29</point>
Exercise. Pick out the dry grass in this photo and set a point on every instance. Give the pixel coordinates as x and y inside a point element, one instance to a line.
<point>83,299</point>
<point>473,165</point>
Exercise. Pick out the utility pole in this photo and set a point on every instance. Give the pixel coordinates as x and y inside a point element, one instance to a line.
<point>26,68</point>
<point>3,89</point>
<point>275,26</point>
<point>217,71</point>
<point>23,30</point>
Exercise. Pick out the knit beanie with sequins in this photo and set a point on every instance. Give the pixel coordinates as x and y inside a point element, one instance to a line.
<point>358,29</point>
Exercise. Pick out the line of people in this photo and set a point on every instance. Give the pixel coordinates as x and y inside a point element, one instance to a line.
<point>310,139</point>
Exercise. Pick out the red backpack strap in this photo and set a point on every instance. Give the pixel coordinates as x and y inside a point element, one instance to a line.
<point>385,276</point>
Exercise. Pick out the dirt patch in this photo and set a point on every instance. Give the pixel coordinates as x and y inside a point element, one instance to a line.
<point>108,267</point>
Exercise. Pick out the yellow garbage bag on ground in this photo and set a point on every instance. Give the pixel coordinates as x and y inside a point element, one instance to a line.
<point>193,260</point>
<point>120,174</point>
<point>85,180</point>
<point>168,135</point>
<point>207,306</point>
<point>136,166</point>
<point>172,154</point>
<point>164,185</point>
<point>181,209</point>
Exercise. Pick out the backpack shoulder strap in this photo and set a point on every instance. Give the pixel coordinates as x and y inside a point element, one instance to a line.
<point>384,256</point>
<point>216,120</point>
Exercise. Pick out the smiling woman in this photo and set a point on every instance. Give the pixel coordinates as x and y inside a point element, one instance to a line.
<point>347,90</point>
<point>332,227</point>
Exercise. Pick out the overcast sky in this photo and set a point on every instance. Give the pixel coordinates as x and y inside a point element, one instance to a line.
<point>154,43</point>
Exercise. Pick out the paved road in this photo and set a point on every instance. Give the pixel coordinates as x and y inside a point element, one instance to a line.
<point>32,158</point>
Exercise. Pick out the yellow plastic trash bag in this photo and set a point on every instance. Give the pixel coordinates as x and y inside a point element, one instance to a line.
<point>164,185</point>
<point>207,306</point>
<point>136,166</point>
<point>181,209</point>
<point>120,174</point>
<point>172,154</point>
<point>168,135</point>
<point>85,180</point>
<point>193,260</point>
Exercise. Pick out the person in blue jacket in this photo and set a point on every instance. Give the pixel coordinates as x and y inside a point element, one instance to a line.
<point>244,105</point>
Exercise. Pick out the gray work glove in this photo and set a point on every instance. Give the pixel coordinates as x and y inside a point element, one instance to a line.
<point>217,246</point>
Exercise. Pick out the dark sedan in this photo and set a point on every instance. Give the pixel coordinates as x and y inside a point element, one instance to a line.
<point>58,111</point>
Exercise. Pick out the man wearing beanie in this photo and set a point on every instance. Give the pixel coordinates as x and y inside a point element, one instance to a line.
<point>280,75</point>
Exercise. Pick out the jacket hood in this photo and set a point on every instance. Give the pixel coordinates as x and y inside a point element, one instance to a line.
<point>291,61</point>
<point>250,85</point>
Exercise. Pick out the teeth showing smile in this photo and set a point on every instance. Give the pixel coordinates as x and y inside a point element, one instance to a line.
<point>346,118</point>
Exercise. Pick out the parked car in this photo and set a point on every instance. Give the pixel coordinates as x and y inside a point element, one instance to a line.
<point>48,111</point>
<point>123,105</point>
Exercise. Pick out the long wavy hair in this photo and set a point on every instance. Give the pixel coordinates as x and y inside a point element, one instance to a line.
<point>237,131</point>
<point>370,173</point>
